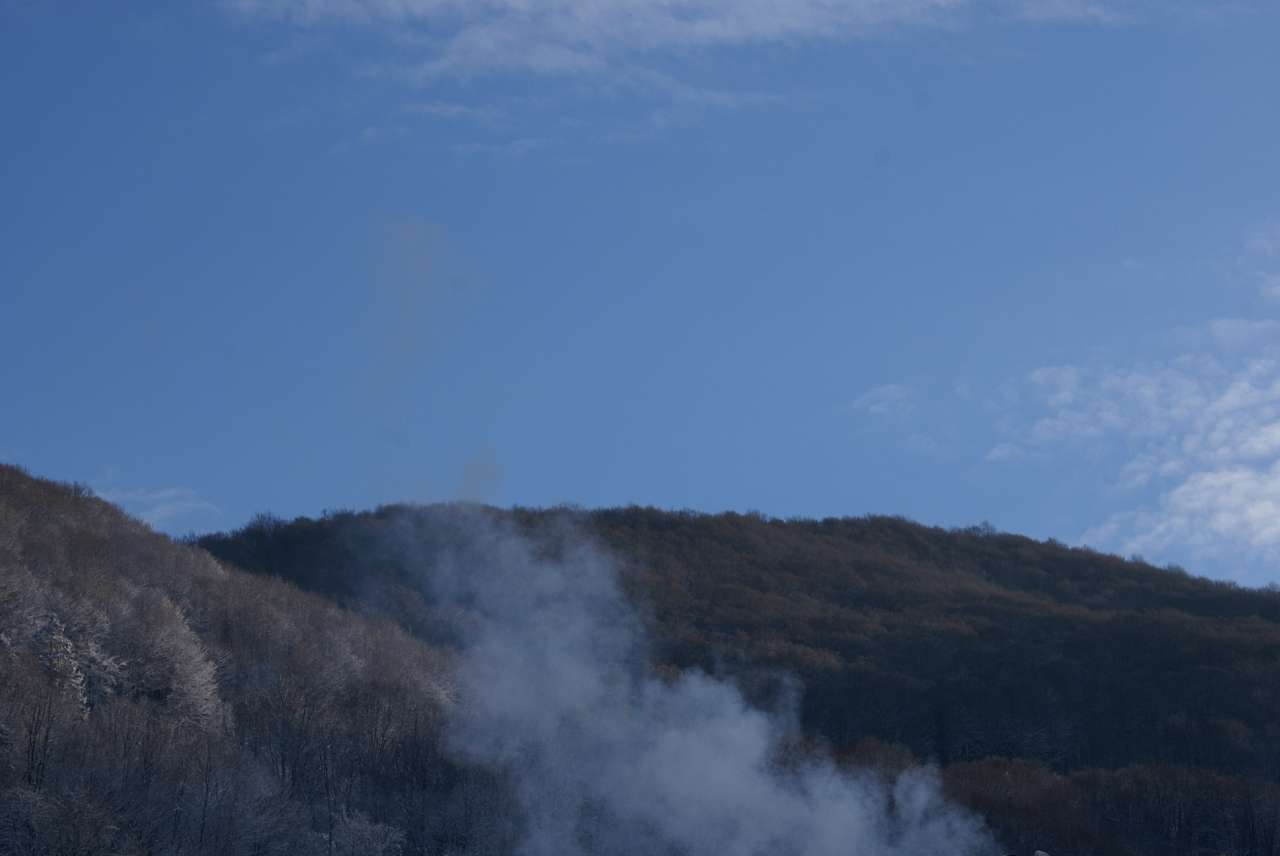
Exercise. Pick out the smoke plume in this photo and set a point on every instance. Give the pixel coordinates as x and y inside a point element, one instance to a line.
<point>554,689</point>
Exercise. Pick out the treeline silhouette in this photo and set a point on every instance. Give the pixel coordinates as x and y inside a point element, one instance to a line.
<point>283,688</point>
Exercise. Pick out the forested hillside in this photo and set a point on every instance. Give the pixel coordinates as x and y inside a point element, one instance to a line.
<point>287,688</point>
<point>154,700</point>
<point>958,644</point>
<point>1077,699</point>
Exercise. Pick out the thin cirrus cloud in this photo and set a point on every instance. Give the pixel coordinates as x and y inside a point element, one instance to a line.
<point>1001,452</point>
<point>1271,286</point>
<point>890,401</point>
<point>1244,333</point>
<point>625,48</point>
<point>896,406</point>
<point>167,508</point>
<point>454,111</point>
<point>467,37</point>
<point>1261,259</point>
<point>514,149</point>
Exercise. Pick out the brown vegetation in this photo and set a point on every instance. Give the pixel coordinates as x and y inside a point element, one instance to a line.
<point>155,699</point>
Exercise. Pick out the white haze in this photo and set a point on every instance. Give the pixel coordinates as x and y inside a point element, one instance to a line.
<point>554,688</point>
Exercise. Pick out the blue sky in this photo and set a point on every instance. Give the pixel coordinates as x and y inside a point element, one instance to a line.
<point>1014,261</point>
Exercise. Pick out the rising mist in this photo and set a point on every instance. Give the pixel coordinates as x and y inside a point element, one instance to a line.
<point>555,689</point>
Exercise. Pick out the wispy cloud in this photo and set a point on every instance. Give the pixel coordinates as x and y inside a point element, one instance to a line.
<point>515,148</point>
<point>1222,513</point>
<point>298,47</point>
<point>370,135</point>
<point>1002,452</point>
<point>1094,11</point>
<point>168,508</point>
<point>571,36</point>
<point>1244,333</point>
<point>627,45</point>
<point>1195,439</point>
<point>889,401</point>
<point>1271,285</point>
<point>454,111</point>
<point>898,407</point>
<point>1190,438</point>
<point>575,36</point>
<point>1260,259</point>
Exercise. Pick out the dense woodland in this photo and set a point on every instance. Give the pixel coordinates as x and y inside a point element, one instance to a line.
<point>282,688</point>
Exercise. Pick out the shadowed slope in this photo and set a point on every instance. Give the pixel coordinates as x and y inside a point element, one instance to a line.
<point>153,700</point>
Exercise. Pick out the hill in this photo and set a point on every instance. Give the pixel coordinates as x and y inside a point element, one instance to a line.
<point>293,687</point>
<point>1079,700</point>
<point>154,700</point>
<point>958,644</point>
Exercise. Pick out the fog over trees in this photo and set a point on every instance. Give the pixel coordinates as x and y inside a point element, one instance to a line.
<point>460,679</point>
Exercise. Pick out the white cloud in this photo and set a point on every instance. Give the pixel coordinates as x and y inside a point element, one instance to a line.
<point>611,48</point>
<point>468,37</point>
<point>1003,452</point>
<point>162,508</point>
<point>1220,514</point>
<point>890,401</point>
<point>570,35</point>
<point>1201,432</point>
<point>1195,438</point>
<point>1062,383</point>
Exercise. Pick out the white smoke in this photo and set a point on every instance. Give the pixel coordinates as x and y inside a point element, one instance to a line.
<point>554,688</point>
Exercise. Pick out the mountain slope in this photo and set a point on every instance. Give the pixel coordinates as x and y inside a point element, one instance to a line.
<point>959,644</point>
<point>156,699</point>
<point>1080,702</point>
<point>153,700</point>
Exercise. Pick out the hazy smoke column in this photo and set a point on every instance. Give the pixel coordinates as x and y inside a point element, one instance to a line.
<point>553,687</point>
